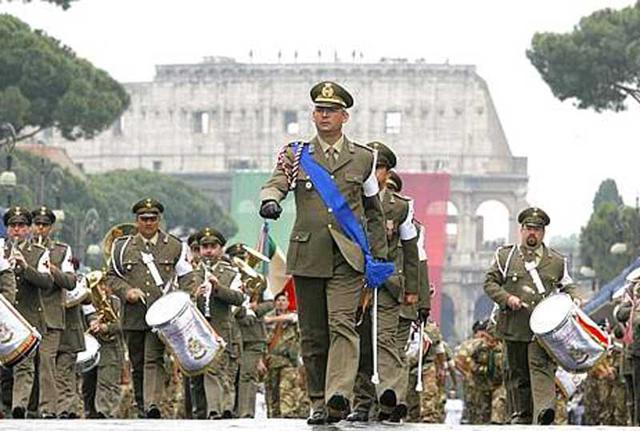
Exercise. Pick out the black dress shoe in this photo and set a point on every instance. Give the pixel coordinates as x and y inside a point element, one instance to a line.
<point>153,412</point>
<point>63,415</point>
<point>398,414</point>
<point>47,415</point>
<point>227,414</point>
<point>318,417</point>
<point>18,413</point>
<point>337,408</point>
<point>72,415</point>
<point>214,415</point>
<point>388,399</point>
<point>546,417</point>
<point>358,416</point>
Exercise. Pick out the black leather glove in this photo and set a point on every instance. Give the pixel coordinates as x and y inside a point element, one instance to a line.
<point>423,314</point>
<point>270,209</point>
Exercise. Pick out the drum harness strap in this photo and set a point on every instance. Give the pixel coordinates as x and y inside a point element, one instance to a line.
<point>531,267</point>
<point>149,261</point>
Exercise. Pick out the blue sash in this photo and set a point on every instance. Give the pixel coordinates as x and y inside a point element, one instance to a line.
<point>376,272</point>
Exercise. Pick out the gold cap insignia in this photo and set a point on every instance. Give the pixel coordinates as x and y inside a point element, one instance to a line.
<point>327,90</point>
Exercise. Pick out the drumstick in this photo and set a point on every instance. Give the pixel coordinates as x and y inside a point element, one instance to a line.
<point>421,352</point>
<point>375,378</point>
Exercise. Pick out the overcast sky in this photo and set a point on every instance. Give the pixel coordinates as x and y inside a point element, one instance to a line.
<point>569,150</point>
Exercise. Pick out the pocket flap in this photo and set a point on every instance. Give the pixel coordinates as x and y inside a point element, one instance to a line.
<point>300,236</point>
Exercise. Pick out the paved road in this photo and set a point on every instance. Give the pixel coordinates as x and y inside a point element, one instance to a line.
<point>248,425</point>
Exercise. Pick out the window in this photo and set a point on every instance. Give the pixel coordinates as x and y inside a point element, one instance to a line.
<point>291,125</point>
<point>118,127</point>
<point>201,122</point>
<point>157,165</point>
<point>392,122</point>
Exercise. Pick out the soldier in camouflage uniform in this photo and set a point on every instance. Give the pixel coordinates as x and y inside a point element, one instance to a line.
<point>286,397</point>
<point>597,391</point>
<point>72,338</point>
<point>464,364</point>
<point>142,268</point>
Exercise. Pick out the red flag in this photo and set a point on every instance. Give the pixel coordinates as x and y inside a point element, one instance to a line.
<point>289,289</point>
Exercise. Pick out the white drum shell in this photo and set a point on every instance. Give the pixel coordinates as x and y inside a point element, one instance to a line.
<point>17,336</point>
<point>90,356</point>
<point>555,323</point>
<point>185,331</point>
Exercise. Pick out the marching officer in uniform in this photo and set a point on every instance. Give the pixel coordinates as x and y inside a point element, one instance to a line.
<point>144,267</point>
<point>220,289</point>
<point>520,277</point>
<point>8,291</point>
<point>72,339</point>
<point>400,289</point>
<point>327,266</point>
<point>40,301</point>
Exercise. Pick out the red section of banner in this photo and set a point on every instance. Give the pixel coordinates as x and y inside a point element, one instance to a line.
<point>430,192</point>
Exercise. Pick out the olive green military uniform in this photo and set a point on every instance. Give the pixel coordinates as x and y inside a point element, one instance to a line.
<point>327,267</point>
<point>8,291</point>
<point>128,271</point>
<point>217,309</point>
<point>285,395</point>
<point>529,371</point>
<point>35,288</point>
<point>72,338</point>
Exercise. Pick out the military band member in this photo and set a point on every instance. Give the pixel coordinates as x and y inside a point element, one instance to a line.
<point>144,267</point>
<point>220,289</point>
<point>327,266</point>
<point>8,290</point>
<point>72,338</point>
<point>39,300</point>
<point>520,277</point>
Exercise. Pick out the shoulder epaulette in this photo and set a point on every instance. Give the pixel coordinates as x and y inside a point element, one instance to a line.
<point>555,252</point>
<point>401,196</point>
<point>362,146</point>
<point>38,246</point>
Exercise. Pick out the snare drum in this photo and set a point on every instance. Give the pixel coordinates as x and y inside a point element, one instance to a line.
<point>90,356</point>
<point>185,331</point>
<point>18,338</point>
<point>78,294</point>
<point>570,337</point>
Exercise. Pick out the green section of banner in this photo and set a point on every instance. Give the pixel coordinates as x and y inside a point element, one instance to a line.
<point>244,210</point>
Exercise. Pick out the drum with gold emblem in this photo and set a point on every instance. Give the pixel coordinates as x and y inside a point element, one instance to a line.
<point>18,338</point>
<point>185,331</point>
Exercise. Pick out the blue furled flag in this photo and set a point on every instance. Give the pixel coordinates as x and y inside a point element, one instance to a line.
<point>376,272</point>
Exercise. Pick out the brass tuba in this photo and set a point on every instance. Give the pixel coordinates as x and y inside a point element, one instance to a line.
<point>247,261</point>
<point>99,298</point>
<point>114,233</point>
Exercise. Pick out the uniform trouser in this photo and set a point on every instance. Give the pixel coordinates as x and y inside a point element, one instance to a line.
<point>6,384</point>
<point>530,377</point>
<point>285,395</point>
<point>628,384</point>
<point>66,382</point>
<point>329,341</point>
<point>89,383</point>
<point>154,372</point>
<point>198,397</point>
<point>214,384</point>
<point>391,366</point>
<point>248,380</point>
<point>135,346</point>
<point>402,336</point>
<point>232,377</point>
<point>635,364</point>
<point>108,389</point>
<point>23,375</point>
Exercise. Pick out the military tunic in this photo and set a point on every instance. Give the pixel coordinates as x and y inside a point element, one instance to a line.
<point>530,372</point>
<point>127,271</point>
<point>327,267</point>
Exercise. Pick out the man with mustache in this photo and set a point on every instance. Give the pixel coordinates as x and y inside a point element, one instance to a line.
<point>529,370</point>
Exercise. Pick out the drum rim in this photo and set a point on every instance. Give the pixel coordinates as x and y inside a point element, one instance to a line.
<point>14,359</point>
<point>559,324</point>
<point>187,301</point>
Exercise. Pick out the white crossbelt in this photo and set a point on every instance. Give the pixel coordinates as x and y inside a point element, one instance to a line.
<point>148,260</point>
<point>532,268</point>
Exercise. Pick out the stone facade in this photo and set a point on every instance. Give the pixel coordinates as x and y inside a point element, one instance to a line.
<point>201,121</point>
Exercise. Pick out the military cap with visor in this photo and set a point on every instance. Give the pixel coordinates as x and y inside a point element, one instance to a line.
<point>533,216</point>
<point>386,157</point>
<point>17,214</point>
<point>211,236</point>
<point>328,94</point>
<point>148,206</point>
<point>43,215</point>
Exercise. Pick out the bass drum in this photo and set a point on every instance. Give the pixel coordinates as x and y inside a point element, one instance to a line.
<point>90,356</point>
<point>18,338</point>
<point>570,337</point>
<point>185,331</point>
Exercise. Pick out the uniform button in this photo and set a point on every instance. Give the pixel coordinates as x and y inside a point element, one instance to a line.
<point>146,283</point>
<point>329,225</point>
<point>147,293</point>
<point>39,309</point>
<point>330,210</point>
<point>333,177</point>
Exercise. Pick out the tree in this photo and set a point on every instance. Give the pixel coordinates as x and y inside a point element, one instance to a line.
<point>597,64</point>
<point>64,4</point>
<point>44,84</point>
<point>607,192</point>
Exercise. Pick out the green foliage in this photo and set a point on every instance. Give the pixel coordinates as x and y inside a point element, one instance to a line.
<point>64,4</point>
<point>184,205</point>
<point>607,192</point>
<point>597,64</point>
<point>609,224</point>
<point>44,84</point>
